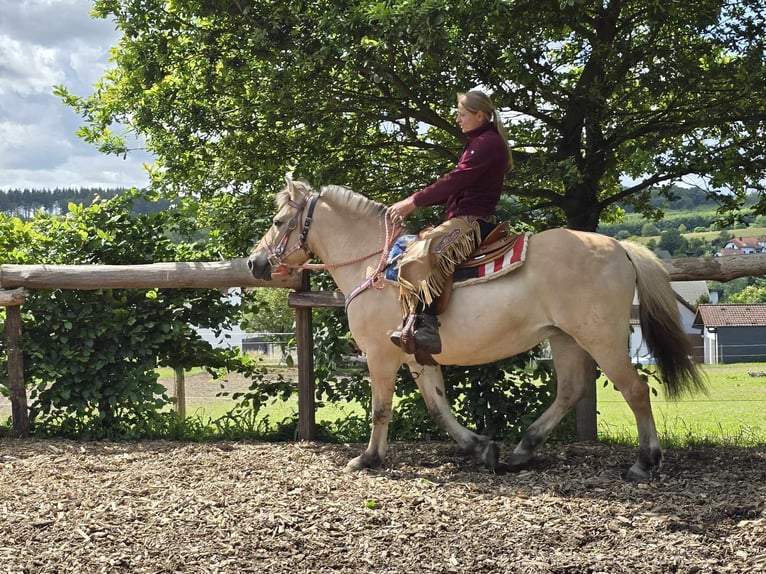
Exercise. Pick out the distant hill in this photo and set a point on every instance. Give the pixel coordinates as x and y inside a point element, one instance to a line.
<point>690,210</point>
<point>24,203</point>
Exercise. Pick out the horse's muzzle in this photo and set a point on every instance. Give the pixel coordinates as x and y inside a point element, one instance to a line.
<point>259,266</point>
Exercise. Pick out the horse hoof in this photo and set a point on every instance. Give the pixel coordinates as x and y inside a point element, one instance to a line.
<point>362,462</point>
<point>489,454</point>
<point>637,474</point>
<point>355,465</point>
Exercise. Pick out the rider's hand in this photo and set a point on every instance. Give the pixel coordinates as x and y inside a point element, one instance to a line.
<point>402,208</point>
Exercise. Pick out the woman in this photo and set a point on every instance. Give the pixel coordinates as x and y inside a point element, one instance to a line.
<point>470,192</point>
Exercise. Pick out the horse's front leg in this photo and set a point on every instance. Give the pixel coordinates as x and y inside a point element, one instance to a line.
<point>383,368</point>
<point>431,385</point>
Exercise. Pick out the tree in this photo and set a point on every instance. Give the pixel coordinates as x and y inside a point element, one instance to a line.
<point>672,241</point>
<point>649,230</point>
<point>230,95</point>
<point>754,293</point>
<point>267,312</point>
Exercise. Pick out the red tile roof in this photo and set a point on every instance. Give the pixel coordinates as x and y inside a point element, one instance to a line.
<point>741,315</point>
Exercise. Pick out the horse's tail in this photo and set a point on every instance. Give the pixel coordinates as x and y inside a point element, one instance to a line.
<point>661,325</point>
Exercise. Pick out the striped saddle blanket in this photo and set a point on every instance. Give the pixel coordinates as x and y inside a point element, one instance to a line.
<point>500,253</point>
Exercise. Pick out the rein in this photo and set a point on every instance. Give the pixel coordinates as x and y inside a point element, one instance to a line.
<point>392,228</point>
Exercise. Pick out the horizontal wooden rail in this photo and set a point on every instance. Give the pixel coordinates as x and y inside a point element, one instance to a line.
<point>316,299</point>
<point>193,275</point>
<point>724,268</point>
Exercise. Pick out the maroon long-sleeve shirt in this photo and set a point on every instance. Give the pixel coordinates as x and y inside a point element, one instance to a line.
<point>474,186</point>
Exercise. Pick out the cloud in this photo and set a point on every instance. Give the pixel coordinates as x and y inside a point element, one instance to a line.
<point>26,68</point>
<point>55,22</point>
<point>44,43</point>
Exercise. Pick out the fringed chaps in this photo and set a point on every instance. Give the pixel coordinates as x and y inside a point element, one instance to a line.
<point>429,262</point>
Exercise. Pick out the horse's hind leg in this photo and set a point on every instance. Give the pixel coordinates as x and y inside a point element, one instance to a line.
<point>574,368</point>
<point>431,385</point>
<point>619,370</point>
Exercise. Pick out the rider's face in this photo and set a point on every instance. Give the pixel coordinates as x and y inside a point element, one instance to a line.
<point>468,120</point>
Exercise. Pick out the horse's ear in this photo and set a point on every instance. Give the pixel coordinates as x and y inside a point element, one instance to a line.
<point>290,185</point>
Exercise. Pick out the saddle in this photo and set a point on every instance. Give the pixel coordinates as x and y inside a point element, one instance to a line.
<point>495,245</point>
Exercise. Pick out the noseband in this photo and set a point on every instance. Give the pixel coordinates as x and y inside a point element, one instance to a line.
<point>281,252</point>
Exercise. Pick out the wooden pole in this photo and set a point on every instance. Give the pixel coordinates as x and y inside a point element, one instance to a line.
<point>586,419</point>
<point>306,386</point>
<point>16,389</point>
<point>12,297</point>
<point>180,383</point>
<point>723,268</point>
<point>200,275</point>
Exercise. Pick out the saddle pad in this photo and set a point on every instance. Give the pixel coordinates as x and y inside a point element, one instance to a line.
<point>497,267</point>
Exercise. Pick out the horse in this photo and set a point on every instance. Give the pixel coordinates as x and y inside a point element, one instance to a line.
<point>575,289</point>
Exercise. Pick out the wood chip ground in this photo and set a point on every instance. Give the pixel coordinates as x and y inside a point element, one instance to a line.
<point>156,507</point>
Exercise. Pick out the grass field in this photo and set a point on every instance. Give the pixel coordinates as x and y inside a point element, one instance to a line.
<point>710,235</point>
<point>733,413</point>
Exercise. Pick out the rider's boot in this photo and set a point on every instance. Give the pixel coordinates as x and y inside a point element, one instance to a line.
<point>427,334</point>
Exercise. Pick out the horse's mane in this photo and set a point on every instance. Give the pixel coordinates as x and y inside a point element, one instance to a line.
<point>337,195</point>
<point>356,202</point>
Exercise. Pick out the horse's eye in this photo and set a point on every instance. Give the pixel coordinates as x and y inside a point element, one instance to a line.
<point>277,223</point>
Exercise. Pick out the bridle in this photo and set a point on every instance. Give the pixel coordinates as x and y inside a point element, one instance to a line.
<point>277,256</point>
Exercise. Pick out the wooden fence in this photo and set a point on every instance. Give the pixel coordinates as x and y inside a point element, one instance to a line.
<point>234,273</point>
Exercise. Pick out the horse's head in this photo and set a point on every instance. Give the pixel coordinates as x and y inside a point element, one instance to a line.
<point>284,244</point>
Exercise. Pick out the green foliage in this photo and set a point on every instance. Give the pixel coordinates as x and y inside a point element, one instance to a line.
<point>753,293</point>
<point>648,230</point>
<point>93,373</point>
<point>267,312</point>
<point>636,224</point>
<point>25,203</point>
<point>90,355</point>
<point>499,399</point>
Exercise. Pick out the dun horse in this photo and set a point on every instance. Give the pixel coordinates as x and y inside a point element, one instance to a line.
<point>575,290</point>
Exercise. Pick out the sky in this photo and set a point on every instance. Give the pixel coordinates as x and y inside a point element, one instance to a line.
<point>45,43</point>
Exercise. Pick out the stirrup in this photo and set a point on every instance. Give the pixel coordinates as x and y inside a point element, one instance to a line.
<point>404,338</point>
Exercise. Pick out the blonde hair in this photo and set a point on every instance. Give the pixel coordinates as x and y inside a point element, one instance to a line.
<point>476,101</point>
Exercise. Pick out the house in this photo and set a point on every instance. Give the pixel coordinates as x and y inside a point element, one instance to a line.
<point>732,333</point>
<point>743,246</point>
<point>688,293</point>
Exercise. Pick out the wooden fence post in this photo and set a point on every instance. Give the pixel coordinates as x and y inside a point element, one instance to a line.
<point>180,384</point>
<point>306,386</point>
<point>586,420</point>
<point>16,388</point>
<point>303,302</point>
